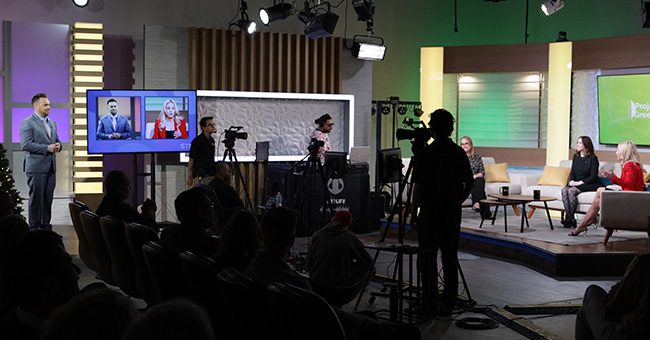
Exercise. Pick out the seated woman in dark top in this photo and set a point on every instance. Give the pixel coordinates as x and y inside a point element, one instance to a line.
<point>239,242</point>
<point>478,170</point>
<point>583,178</point>
<point>117,188</point>
<point>195,211</point>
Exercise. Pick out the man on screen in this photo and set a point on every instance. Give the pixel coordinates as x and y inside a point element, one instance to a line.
<point>113,125</point>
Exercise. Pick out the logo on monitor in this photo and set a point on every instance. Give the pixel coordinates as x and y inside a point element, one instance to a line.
<point>639,110</point>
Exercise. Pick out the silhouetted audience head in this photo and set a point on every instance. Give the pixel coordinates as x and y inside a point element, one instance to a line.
<point>100,314</point>
<point>279,229</point>
<point>223,172</point>
<point>172,320</point>
<point>240,240</point>
<point>117,184</point>
<point>40,273</point>
<point>195,208</point>
<point>441,123</point>
<point>343,216</point>
<point>7,204</point>
<point>12,228</point>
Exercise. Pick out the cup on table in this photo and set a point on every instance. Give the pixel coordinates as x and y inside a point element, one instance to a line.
<point>504,190</point>
<point>537,194</point>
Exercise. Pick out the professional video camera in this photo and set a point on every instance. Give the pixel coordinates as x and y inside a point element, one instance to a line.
<point>419,131</point>
<point>315,145</point>
<point>233,133</point>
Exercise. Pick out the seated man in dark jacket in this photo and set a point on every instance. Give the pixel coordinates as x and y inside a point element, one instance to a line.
<point>221,184</point>
<point>195,211</point>
<point>269,266</point>
<point>117,188</point>
<point>336,257</point>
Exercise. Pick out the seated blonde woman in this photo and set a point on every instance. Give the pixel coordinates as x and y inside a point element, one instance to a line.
<point>478,170</point>
<point>631,180</point>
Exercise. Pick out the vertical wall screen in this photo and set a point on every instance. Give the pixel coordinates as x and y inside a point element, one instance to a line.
<point>500,109</point>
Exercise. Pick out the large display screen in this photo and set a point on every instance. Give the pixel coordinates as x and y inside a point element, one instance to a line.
<point>140,121</point>
<point>624,108</point>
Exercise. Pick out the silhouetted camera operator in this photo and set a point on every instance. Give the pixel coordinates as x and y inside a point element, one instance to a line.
<point>443,179</point>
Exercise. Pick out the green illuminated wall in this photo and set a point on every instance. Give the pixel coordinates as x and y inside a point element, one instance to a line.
<point>409,25</point>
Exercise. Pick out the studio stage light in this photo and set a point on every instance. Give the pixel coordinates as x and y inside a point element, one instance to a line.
<point>80,3</point>
<point>276,12</point>
<point>551,6</point>
<point>244,24</point>
<point>321,25</point>
<point>368,51</point>
<point>364,8</point>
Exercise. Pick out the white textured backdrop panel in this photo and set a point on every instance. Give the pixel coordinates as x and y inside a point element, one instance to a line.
<point>285,123</point>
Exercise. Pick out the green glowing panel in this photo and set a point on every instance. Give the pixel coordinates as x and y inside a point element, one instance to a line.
<point>624,108</point>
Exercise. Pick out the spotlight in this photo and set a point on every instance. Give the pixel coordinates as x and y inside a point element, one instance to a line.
<point>401,110</point>
<point>244,24</point>
<point>321,25</point>
<point>80,3</point>
<point>276,12</point>
<point>418,112</point>
<point>561,36</point>
<point>368,51</point>
<point>385,110</point>
<point>364,8</point>
<point>551,6</point>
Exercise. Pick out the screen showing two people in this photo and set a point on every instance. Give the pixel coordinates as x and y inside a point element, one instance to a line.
<point>165,118</point>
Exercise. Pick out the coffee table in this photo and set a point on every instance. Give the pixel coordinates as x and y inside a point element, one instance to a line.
<point>523,200</point>
<point>497,203</point>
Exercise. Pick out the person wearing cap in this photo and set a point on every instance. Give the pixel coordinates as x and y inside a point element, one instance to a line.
<point>336,257</point>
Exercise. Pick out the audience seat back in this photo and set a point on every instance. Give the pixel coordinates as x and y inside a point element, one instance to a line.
<point>85,252</point>
<point>136,236</point>
<point>90,223</point>
<point>122,267</point>
<point>298,314</point>
<point>243,305</point>
<point>164,266</point>
<point>336,296</point>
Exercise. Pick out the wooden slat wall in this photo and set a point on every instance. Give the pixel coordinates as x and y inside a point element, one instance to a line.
<point>266,62</point>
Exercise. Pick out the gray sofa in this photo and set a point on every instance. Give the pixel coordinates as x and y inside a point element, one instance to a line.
<point>624,210</point>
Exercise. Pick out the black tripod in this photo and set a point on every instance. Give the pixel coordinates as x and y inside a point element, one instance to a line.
<point>235,169</point>
<point>311,165</point>
<point>397,293</point>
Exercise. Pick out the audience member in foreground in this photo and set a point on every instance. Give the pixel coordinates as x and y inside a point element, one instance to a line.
<point>478,191</point>
<point>100,314</point>
<point>269,266</point>
<point>172,320</point>
<point>336,257</point>
<point>117,187</point>
<point>12,228</point>
<point>631,180</point>
<point>624,312</point>
<point>195,211</point>
<point>239,241</point>
<point>582,178</point>
<point>221,184</point>
<point>41,276</point>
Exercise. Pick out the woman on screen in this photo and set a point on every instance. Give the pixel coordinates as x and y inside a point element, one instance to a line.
<point>582,178</point>
<point>631,180</point>
<point>170,124</point>
<point>478,170</point>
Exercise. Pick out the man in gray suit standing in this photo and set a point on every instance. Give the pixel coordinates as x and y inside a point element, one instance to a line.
<point>39,140</point>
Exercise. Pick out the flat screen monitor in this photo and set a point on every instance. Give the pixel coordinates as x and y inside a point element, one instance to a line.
<point>140,121</point>
<point>624,108</point>
<point>391,165</point>
<point>335,164</point>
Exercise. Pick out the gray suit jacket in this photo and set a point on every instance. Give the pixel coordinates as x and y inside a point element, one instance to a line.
<point>34,141</point>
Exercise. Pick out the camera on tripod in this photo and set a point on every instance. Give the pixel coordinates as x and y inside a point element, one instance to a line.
<point>315,145</point>
<point>233,133</point>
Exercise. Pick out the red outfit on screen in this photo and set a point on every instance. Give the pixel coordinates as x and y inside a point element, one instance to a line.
<point>631,177</point>
<point>180,126</point>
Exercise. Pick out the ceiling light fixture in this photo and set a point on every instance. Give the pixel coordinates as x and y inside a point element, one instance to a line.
<point>318,24</point>
<point>80,3</point>
<point>365,9</point>
<point>276,12</point>
<point>363,48</point>
<point>244,24</point>
<point>551,6</point>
